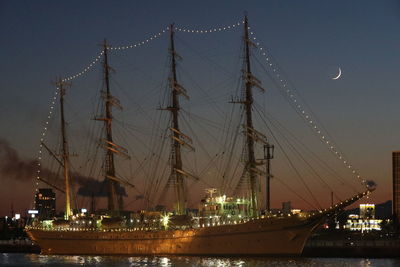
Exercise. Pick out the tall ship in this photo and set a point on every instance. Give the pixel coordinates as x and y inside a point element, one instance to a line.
<point>223,224</point>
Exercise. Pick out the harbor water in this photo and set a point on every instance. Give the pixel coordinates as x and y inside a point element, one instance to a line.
<point>20,259</point>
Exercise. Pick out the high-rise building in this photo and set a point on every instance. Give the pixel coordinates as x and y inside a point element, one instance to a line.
<point>286,207</point>
<point>45,203</point>
<point>396,185</point>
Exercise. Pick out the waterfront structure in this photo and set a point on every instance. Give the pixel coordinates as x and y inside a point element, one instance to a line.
<point>364,221</point>
<point>396,185</point>
<point>45,203</point>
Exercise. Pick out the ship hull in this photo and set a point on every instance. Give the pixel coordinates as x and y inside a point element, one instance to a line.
<point>283,236</point>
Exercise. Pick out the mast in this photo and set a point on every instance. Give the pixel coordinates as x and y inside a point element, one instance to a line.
<point>248,103</point>
<point>114,202</point>
<point>176,145</point>
<point>268,155</point>
<point>65,153</point>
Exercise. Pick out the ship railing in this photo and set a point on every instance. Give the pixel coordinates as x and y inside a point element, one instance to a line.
<point>95,229</point>
<point>201,222</point>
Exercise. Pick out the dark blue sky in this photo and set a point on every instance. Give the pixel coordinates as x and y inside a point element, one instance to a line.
<point>310,40</point>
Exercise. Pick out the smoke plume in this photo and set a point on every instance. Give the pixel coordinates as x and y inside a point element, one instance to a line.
<point>13,167</point>
<point>89,186</point>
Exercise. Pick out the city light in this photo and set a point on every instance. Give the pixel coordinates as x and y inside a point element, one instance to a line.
<point>33,212</point>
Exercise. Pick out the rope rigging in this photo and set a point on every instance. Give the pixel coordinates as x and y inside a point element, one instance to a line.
<point>149,160</point>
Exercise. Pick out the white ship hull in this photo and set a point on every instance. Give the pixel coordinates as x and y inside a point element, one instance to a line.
<point>268,236</point>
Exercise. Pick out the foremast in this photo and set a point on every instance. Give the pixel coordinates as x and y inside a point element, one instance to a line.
<point>65,153</point>
<point>115,201</point>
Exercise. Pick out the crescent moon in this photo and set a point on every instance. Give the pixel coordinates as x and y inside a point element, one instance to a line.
<point>338,76</point>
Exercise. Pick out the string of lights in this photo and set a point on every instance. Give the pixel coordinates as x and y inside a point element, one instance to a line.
<point>98,57</point>
<point>94,62</point>
<point>290,93</point>
<point>84,70</point>
<point>42,137</point>
<point>211,30</point>
<point>147,40</point>
<point>275,69</point>
<point>138,44</point>
<point>72,77</point>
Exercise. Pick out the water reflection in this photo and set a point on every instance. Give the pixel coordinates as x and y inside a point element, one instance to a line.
<point>54,260</point>
<point>256,261</point>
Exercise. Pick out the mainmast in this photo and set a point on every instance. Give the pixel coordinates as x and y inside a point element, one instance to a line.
<point>251,133</point>
<point>115,202</point>
<point>65,153</point>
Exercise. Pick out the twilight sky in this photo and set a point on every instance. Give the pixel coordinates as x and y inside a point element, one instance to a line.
<point>310,40</point>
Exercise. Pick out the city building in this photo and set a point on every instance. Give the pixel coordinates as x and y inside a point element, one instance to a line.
<point>286,207</point>
<point>396,185</point>
<point>365,221</point>
<point>45,203</point>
